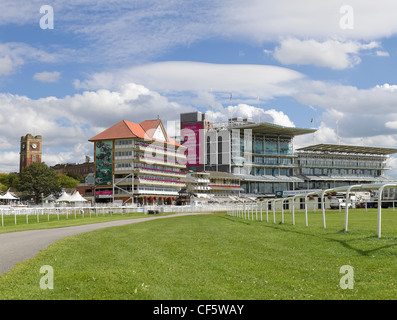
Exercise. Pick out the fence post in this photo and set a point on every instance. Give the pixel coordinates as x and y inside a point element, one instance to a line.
<point>293,210</point>
<point>261,210</point>
<point>274,211</point>
<point>282,211</point>
<point>267,211</point>
<point>306,221</point>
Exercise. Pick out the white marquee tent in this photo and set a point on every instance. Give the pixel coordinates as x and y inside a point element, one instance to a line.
<point>8,196</point>
<point>76,197</point>
<point>64,197</point>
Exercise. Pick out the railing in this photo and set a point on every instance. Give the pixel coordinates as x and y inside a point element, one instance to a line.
<point>28,215</point>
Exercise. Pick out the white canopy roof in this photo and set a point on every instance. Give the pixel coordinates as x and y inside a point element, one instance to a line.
<point>8,196</point>
<point>64,197</point>
<point>76,197</point>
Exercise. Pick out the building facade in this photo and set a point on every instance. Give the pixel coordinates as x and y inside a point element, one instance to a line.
<point>30,151</point>
<point>262,157</point>
<point>138,163</point>
<point>259,155</point>
<point>325,166</point>
<point>82,169</point>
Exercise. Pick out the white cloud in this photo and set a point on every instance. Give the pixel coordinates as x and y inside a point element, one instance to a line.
<point>387,87</point>
<point>13,55</point>
<point>332,54</point>
<point>380,100</point>
<point>146,29</point>
<point>47,76</point>
<point>246,111</point>
<point>67,123</point>
<point>262,21</point>
<point>197,78</point>
<point>380,53</point>
<point>391,125</point>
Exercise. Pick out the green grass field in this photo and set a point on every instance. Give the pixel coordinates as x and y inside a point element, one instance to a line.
<point>218,257</point>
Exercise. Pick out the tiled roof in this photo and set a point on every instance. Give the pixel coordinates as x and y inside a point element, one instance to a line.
<point>127,130</point>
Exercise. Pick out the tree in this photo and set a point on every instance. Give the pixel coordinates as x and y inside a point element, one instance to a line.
<point>65,181</point>
<point>10,180</point>
<point>76,176</point>
<point>3,181</point>
<point>38,180</point>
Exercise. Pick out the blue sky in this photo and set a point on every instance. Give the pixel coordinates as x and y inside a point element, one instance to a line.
<point>105,61</point>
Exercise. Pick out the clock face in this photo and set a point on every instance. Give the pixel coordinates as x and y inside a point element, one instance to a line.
<point>34,146</point>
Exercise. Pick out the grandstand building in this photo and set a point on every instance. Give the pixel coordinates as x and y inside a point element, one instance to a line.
<point>138,163</point>
<point>262,158</point>
<point>259,155</point>
<point>325,166</point>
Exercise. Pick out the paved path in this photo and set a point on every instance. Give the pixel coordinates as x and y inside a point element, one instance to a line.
<point>23,245</point>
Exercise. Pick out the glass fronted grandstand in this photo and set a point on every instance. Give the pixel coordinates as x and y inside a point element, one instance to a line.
<point>325,166</point>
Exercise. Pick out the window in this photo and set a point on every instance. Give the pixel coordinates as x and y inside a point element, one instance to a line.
<point>271,147</point>
<point>258,146</point>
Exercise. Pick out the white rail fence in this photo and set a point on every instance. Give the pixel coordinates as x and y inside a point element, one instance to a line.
<point>246,211</point>
<point>42,214</point>
<point>258,210</point>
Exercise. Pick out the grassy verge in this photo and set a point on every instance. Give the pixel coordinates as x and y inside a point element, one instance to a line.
<point>53,221</point>
<point>22,222</point>
<point>218,257</point>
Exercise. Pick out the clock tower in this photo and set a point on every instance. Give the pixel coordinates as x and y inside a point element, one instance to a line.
<point>30,151</point>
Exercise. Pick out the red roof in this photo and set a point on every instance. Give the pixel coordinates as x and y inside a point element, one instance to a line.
<point>126,129</point>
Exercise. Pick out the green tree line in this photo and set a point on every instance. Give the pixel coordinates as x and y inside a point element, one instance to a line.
<point>37,180</point>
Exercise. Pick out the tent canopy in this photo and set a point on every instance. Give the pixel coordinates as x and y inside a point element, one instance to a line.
<point>64,197</point>
<point>76,197</point>
<point>8,196</point>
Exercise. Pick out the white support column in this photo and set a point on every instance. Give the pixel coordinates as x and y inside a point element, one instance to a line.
<point>323,205</point>
<point>306,221</point>
<point>293,210</point>
<point>282,211</point>
<point>379,218</point>
<point>261,209</point>
<point>379,229</point>
<point>347,204</point>
<point>274,211</point>
<point>267,211</point>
